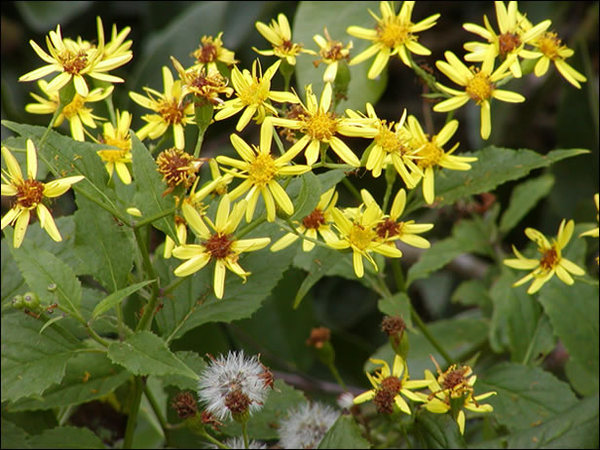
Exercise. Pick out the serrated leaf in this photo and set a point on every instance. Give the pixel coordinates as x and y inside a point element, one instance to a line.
<point>88,376</point>
<point>144,353</point>
<point>573,313</point>
<point>344,433</point>
<point>32,362</point>
<point>396,305</point>
<point>523,198</point>
<point>438,431</point>
<point>195,362</point>
<point>12,436</point>
<point>494,166</point>
<point>306,191</point>
<point>66,437</point>
<point>525,396</point>
<point>310,19</point>
<point>116,297</point>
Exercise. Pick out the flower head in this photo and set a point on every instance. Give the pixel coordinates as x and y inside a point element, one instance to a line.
<point>394,34</point>
<point>170,110</point>
<point>331,53</point>
<point>219,245</point>
<point>211,51</point>
<point>117,159</point>
<point>279,34</point>
<point>253,90</point>
<point>320,125</point>
<point>177,167</point>
<point>30,194</point>
<point>260,170</point>
<point>205,82</point>
<point>74,59</point>
<point>390,387</point>
<point>594,231</point>
<point>551,261</point>
<point>306,425</point>
<point>233,385</point>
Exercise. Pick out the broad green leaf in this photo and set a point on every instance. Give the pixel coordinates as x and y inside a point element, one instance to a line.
<point>144,353</point>
<point>306,189</point>
<point>494,166</point>
<point>43,17</point>
<point>472,293</point>
<point>32,362</point>
<point>576,427</point>
<point>50,278</point>
<point>438,431</point>
<point>12,436</point>
<point>310,19</point>
<point>195,362</point>
<point>396,305</point>
<point>12,280</point>
<point>523,198</point>
<point>150,188</point>
<point>344,433</point>
<point>66,437</point>
<point>116,297</point>
<point>263,424</point>
<point>89,376</point>
<point>106,247</point>
<point>526,396</point>
<point>573,313</point>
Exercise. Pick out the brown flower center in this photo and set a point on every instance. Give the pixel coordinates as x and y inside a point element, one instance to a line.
<point>392,325</point>
<point>237,402</point>
<point>73,63</point>
<point>549,259</point>
<point>176,167</point>
<point>29,193</point>
<point>507,42</point>
<point>171,111</point>
<point>219,245</point>
<point>387,228</point>
<point>207,52</point>
<point>314,220</point>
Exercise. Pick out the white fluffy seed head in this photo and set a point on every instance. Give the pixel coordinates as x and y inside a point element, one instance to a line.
<point>306,425</point>
<point>231,373</point>
<point>238,442</point>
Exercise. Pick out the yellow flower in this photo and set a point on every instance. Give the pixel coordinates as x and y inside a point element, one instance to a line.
<point>389,387</point>
<point>456,383</point>
<point>120,138</point>
<point>220,246</point>
<point>75,112</point>
<point>211,51</point>
<point>359,232</point>
<point>551,261</point>
<point>594,231</point>
<point>390,229</point>
<point>431,154</point>
<point>181,231</point>
<point>170,109</point>
<point>319,125</point>
<point>74,59</point>
<point>317,222</point>
<point>205,82</point>
<point>260,169</point>
<point>279,34</point>
<point>331,52</point>
<point>509,43</point>
<point>479,87</point>
<point>253,91</point>
<point>393,35</point>
<point>29,195</point>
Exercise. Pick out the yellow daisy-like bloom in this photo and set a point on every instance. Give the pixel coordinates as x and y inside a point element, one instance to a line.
<point>331,52</point>
<point>76,112</point>
<point>170,108</point>
<point>551,261</point>
<point>253,91</point>
<point>260,171</point>
<point>594,231</point>
<point>389,387</point>
<point>220,246</point>
<point>360,234</point>
<point>391,229</point>
<point>317,222</point>
<point>454,384</point>
<point>29,195</point>
<point>279,34</point>
<point>319,125</point>
<point>211,51</point>
<point>393,35</point>
<point>432,154</point>
<point>74,59</point>
<point>509,43</point>
<point>117,159</point>
<point>205,82</point>
<point>479,87</point>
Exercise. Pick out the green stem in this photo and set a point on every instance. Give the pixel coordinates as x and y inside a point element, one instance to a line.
<point>50,125</point>
<point>432,340</point>
<point>111,110</point>
<point>352,189</point>
<point>158,413</point>
<point>278,142</point>
<point>336,375</point>
<point>155,217</point>
<point>398,275</point>
<point>198,144</point>
<point>245,433</point>
<point>134,408</point>
<point>390,179</point>
<point>251,226</point>
<point>213,440</point>
<point>146,321</point>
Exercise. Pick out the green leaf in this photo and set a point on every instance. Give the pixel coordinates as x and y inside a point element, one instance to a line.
<point>523,198</point>
<point>306,189</point>
<point>195,362</point>
<point>150,188</point>
<point>472,293</point>
<point>42,16</point>
<point>144,353</point>
<point>344,433</point>
<point>32,362</point>
<point>396,305</point>
<point>526,395</point>
<point>310,19</point>
<point>89,376</point>
<point>106,247</point>
<point>12,280</point>
<point>116,297</point>
<point>573,313</point>
<point>438,431</point>
<point>494,166</point>
<point>66,437</point>
<point>50,278</point>
<point>12,436</point>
